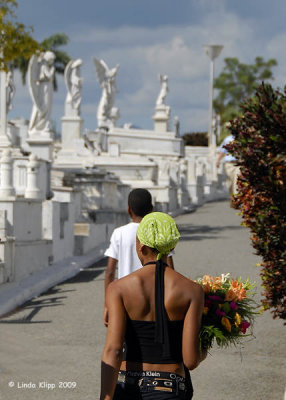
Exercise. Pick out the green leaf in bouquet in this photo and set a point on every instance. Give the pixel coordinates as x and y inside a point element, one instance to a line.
<point>226,307</point>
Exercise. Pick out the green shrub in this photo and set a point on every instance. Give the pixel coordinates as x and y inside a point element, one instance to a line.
<point>260,148</point>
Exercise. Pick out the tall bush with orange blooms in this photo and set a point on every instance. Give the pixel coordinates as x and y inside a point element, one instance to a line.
<point>260,149</point>
<point>229,310</point>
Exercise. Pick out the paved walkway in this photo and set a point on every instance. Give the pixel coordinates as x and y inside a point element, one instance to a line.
<point>54,343</point>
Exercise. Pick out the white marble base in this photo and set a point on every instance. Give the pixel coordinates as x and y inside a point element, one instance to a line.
<point>161,118</point>
<point>71,130</point>
<point>139,142</point>
<point>41,146</point>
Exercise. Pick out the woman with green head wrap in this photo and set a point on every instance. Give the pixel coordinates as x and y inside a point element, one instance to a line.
<point>158,231</point>
<point>156,312</point>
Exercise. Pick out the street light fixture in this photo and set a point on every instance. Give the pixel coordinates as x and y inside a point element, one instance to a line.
<point>213,51</point>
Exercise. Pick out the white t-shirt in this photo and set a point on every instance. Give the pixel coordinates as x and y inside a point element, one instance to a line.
<point>123,249</point>
<point>228,157</point>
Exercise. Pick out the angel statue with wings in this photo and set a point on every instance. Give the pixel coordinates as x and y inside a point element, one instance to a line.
<point>41,73</point>
<point>73,83</point>
<point>163,90</point>
<point>107,80</point>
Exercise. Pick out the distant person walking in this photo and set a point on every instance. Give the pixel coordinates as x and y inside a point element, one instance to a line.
<point>232,170</point>
<point>121,252</point>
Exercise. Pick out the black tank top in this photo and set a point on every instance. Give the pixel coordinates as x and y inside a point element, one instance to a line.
<point>159,341</point>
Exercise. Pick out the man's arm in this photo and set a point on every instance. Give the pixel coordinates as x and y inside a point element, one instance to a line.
<point>109,273</point>
<point>109,277</point>
<point>219,158</point>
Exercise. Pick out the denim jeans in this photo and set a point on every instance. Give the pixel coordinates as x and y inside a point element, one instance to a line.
<point>134,392</point>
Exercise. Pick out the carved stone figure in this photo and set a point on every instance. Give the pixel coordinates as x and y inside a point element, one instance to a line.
<point>183,168</point>
<point>10,90</point>
<point>163,90</point>
<point>107,80</point>
<point>41,72</point>
<point>177,126</point>
<point>73,83</point>
<point>164,171</point>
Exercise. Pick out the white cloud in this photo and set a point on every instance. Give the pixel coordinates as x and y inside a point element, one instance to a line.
<point>276,49</point>
<point>177,51</point>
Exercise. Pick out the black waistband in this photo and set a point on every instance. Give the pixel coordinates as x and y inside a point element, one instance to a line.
<point>152,381</point>
<point>151,374</point>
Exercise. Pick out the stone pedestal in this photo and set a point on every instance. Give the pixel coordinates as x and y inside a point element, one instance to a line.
<point>71,130</point>
<point>75,151</point>
<point>41,146</point>
<point>161,118</point>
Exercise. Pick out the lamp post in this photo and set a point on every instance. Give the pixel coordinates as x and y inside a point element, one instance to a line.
<point>213,51</point>
<point>4,141</point>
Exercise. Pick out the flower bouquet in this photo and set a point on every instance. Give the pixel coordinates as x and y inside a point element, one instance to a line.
<point>228,311</point>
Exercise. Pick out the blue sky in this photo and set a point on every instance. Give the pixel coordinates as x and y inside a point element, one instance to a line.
<point>151,37</point>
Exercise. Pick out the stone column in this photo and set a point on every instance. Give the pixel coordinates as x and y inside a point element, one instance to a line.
<point>4,141</point>
<point>32,190</point>
<point>6,173</point>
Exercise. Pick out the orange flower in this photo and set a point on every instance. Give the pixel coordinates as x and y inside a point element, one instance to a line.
<point>236,292</point>
<point>206,283</point>
<point>225,322</point>
<point>211,284</point>
<point>216,283</point>
<point>205,310</point>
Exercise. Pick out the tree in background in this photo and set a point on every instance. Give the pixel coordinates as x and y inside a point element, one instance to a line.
<point>260,148</point>
<point>15,38</point>
<point>17,45</point>
<point>236,83</point>
<point>52,43</point>
<point>196,139</point>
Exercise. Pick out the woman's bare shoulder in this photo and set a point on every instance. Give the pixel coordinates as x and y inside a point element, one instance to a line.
<point>127,281</point>
<point>187,283</point>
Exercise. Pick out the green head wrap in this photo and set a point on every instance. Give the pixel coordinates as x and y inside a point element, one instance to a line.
<point>158,231</point>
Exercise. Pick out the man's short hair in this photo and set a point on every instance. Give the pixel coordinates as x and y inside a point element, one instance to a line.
<point>140,202</point>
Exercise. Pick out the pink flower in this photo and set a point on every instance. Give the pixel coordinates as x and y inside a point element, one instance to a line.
<point>233,305</point>
<point>244,325</point>
<point>220,313</point>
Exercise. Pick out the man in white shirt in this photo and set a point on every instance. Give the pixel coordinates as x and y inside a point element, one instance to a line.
<point>231,169</point>
<point>122,249</point>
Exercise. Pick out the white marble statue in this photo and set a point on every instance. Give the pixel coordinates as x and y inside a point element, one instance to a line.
<point>163,90</point>
<point>41,73</point>
<point>73,83</point>
<point>183,168</point>
<point>177,126</point>
<point>163,171</point>
<point>107,80</point>
<point>10,90</point>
